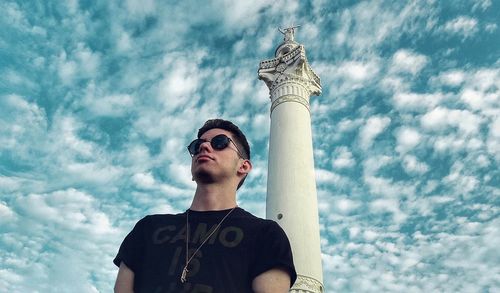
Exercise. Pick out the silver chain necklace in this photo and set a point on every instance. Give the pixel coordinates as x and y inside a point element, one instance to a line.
<point>185,270</point>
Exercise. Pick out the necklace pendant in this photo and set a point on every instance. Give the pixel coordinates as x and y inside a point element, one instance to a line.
<point>184,275</point>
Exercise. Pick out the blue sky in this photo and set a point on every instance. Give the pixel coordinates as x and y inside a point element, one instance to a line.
<point>98,100</point>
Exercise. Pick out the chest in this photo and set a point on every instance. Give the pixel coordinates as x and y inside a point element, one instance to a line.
<point>217,256</point>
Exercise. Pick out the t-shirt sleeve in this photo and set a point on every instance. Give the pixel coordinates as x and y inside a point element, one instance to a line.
<point>132,247</point>
<point>274,251</point>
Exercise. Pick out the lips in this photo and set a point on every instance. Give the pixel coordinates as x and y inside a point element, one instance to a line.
<point>203,158</point>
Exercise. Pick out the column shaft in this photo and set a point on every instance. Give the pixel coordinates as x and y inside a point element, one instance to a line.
<point>291,190</point>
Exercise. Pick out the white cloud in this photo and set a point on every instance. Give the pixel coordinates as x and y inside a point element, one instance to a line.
<point>481,4</point>
<point>491,27</point>
<point>260,126</point>
<point>67,128</point>
<point>459,181</point>
<point>485,79</point>
<point>14,15</point>
<point>404,66</point>
<point>325,176</point>
<point>493,140</point>
<point>144,180</point>
<point>72,6</point>
<point>462,25</point>
<point>242,88</point>
<point>239,14</point>
<point>124,42</point>
<point>453,142</point>
<point>181,173</point>
<point>136,155</point>
<point>182,124</point>
<point>388,205</point>
<point>267,40</point>
<point>370,24</point>
<point>350,75</point>
<point>16,78</point>
<point>67,69</point>
<point>179,84</point>
<point>172,191</point>
<point>88,60</point>
<point>6,213</point>
<point>453,78</point>
<point>407,139</point>
<point>435,119</point>
<point>182,80</point>
<point>309,32</point>
<point>8,183</point>
<point>406,61</point>
<point>387,188</point>
<point>415,101</point>
<point>347,124</point>
<point>345,205</point>
<point>413,166</point>
<point>394,83</point>
<point>356,71</point>
<point>21,123</point>
<point>110,105</point>
<point>70,209</point>
<point>486,100</point>
<point>440,118</point>
<point>495,128</point>
<point>140,7</point>
<point>71,158</point>
<point>370,235</point>
<point>162,209</point>
<point>373,127</point>
<point>343,158</point>
<point>373,164</point>
<point>9,277</point>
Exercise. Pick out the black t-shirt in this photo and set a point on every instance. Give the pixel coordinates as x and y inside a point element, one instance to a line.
<point>243,247</point>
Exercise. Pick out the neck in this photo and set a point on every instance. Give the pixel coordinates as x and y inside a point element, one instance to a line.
<point>210,197</point>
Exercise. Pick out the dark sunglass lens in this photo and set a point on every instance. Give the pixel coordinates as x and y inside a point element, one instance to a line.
<point>194,146</point>
<point>219,142</point>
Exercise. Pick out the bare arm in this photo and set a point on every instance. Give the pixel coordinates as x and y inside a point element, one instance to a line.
<point>125,280</point>
<point>272,281</point>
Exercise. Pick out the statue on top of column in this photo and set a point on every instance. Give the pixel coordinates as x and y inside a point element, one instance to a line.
<point>290,62</point>
<point>288,33</point>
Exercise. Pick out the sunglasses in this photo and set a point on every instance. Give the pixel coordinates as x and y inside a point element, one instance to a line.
<point>218,142</point>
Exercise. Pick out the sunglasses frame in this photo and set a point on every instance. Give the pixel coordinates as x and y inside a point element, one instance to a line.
<point>201,141</point>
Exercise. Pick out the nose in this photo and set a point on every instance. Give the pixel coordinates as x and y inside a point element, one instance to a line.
<point>205,146</point>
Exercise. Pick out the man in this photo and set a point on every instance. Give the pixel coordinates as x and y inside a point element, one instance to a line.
<point>215,246</point>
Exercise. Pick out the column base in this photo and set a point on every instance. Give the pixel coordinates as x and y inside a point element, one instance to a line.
<point>305,284</point>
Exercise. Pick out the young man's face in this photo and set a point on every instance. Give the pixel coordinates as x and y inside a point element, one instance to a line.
<point>209,165</point>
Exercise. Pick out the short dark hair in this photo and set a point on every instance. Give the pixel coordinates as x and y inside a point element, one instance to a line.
<point>239,137</point>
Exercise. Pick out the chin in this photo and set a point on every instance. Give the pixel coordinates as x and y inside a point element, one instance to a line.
<point>203,176</point>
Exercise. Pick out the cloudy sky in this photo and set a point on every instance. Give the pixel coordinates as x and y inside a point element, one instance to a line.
<point>98,100</point>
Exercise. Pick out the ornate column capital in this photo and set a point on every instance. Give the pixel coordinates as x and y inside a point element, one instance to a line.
<point>291,63</point>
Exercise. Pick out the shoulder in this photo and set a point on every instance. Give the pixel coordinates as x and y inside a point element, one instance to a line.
<point>158,219</point>
<point>162,217</point>
<point>265,226</point>
<point>247,216</point>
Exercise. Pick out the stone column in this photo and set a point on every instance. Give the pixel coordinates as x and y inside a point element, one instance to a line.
<point>291,185</point>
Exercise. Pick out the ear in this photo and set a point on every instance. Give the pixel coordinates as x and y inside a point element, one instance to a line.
<point>245,167</point>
